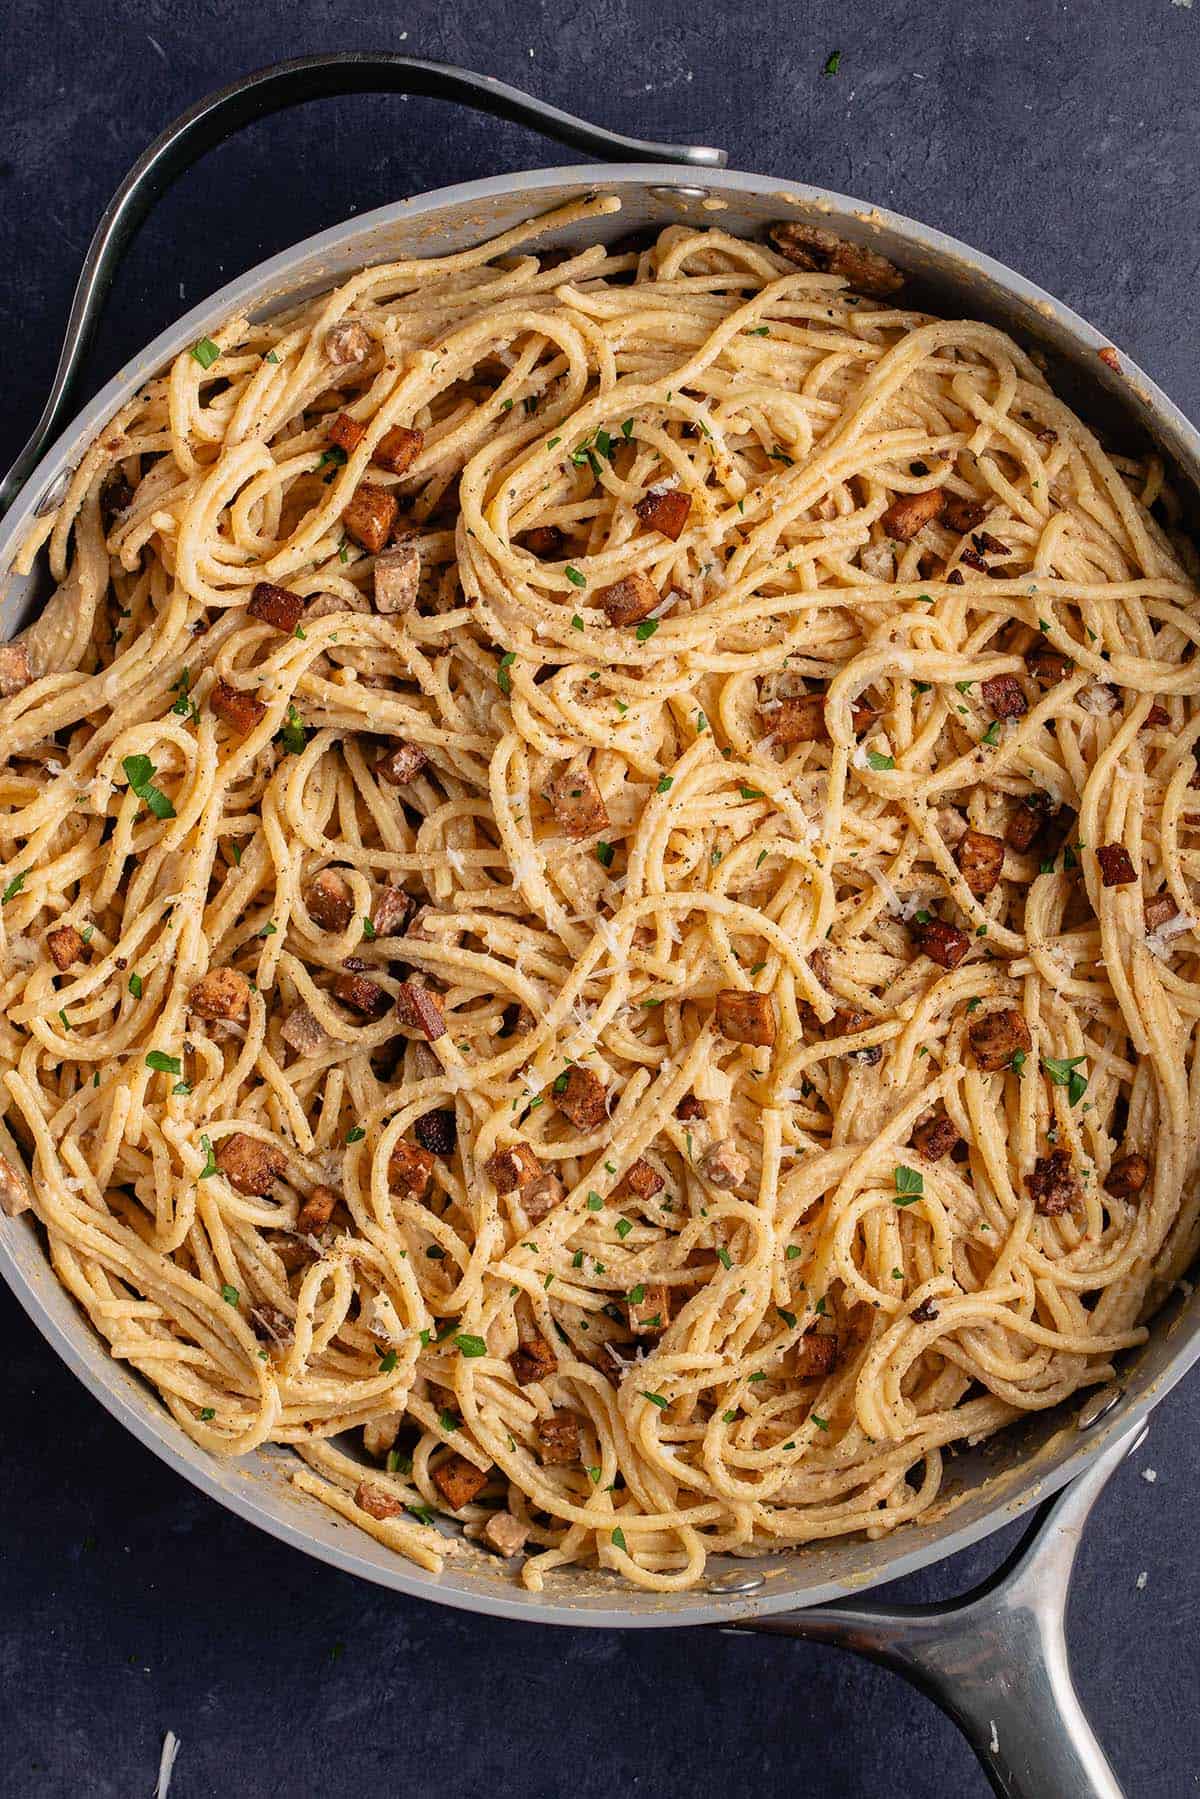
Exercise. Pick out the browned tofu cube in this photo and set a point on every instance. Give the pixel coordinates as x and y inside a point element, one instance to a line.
<point>959,514</point>
<point>276,606</point>
<point>1127,1176</point>
<point>459,1481</point>
<point>533,1361</point>
<point>410,1170</point>
<point>979,858</point>
<point>505,1534</point>
<point>943,943</point>
<point>648,1309</point>
<point>363,995</point>
<point>437,1131</point>
<point>664,509</point>
<point>377,1501</point>
<point>1116,865</point>
<point>317,1210</point>
<point>935,1137</point>
<point>1052,1184</point>
<point>746,1017</point>
<point>996,1037</point>
<point>1159,910</point>
<point>1003,696</point>
<point>815,1357</point>
<point>329,900</point>
<point>303,1031</point>
<point>1028,820</point>
<point>347,343</point>
<point>249,1164</point>
<point>66,945</point>
<point>630,600</point>
<point>370,516</point>
<point>541,1196</point>
<point>543,540</point>
<point>421,1009</point>
<point>398,449</point>
<point>397,579</point>
<point>724,1165</point>
<point>813,247</point>
<point>800,720</point>
<point>558,1438</point>
<point>401,764</point>
<point>583,1098</point>
<point>393,909</point>
<point>643,1179</point>
<point>1047,666</point>
<point>911,512</point>
<point>221,993</point>
<point>345,432</point>
<point>512,1167</point>
<point>577,801</point>
<point>240,711</point>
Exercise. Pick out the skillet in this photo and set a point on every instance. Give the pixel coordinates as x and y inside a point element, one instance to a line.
<point>996,1658</point>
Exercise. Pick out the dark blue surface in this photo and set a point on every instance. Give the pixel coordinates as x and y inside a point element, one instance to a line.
<point>1060,138</point>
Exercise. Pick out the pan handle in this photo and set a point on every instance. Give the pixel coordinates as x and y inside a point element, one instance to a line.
<point>270,90</point>
<point>996,1659</point>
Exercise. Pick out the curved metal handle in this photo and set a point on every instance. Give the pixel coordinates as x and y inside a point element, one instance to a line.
<point>996,1660</point>
<point>285,84</point>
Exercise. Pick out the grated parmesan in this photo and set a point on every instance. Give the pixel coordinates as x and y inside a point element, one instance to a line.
<point>166,1764</point>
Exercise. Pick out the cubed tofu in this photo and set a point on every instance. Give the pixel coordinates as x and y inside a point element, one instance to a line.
<point>317,1210</point>
<point>583,1098</point>
<point>577,801</point>
<point>532,1361</point>
<point>221,993</point>
<point>249,1164</point>
<point>746,1017</point>
<point>410,1169</point>
<point>66,945</point>
<point>664,509</point>
<point>276,606</point>
<point>629,600</point>
<point>370,516</point>
<point>459,1481</point>
<point>421,1009</point>
<point>512,1167</point>
<point>558,1439</point>
<point>240,711</point>
<point>397,579</point>
<point>398,449</point>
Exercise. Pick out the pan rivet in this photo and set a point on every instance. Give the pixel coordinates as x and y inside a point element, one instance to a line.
<point>680,193</point>
<point>53,494</point>
<point>733,1582</point>
<point>1098,1406</point>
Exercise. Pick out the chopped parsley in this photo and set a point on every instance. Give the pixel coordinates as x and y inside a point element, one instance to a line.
<point>162,1063</point>
<point>574,577</point>
<point>646,629</point>
<point>14,887</point>
<point>833,63</point>
<point>503,678</point>
<point>878,762</point>
<point>140,772</point>
<point>230,1294</point>
<point>135,985</point>
<point>206,352</point>
<point>909,1180</point>
<point>210,1161</point>
<point>470,1346</point>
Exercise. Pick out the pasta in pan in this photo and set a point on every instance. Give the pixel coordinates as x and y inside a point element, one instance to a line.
<point>597,857</point>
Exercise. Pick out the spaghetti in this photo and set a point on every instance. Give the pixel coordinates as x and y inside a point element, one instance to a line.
<point>562,907</point>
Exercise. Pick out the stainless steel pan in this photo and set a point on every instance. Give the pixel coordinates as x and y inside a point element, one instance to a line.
<point>996,1660</point>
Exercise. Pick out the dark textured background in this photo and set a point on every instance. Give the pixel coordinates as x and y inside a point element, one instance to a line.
<point>1061,138</point>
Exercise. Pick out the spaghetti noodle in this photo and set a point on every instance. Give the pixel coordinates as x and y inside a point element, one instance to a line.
<point>561,907</point>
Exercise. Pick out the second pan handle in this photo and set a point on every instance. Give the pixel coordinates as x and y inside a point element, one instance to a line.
<point>255,96</point>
